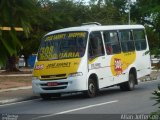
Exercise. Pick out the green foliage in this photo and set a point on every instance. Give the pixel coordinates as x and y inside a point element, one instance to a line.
<point>153,38</point>
<point>14,13</point>
<point>156,115</point>
<point>156,97</point>
<point>108,11</point>
<point>37,17</point>
<point>147,12</point>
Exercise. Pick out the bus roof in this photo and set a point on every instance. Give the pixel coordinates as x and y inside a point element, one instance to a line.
<point>96,28</point>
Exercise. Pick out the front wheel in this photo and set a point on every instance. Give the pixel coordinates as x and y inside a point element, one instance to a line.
<point>92,89</point>
<point>49,96</point>
<point>45,96</point>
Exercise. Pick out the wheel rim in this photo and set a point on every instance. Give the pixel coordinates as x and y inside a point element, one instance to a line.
<point>91,89</point>
<point>131,83</point>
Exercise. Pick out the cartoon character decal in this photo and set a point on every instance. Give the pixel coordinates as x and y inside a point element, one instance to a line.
<point>118,66</point>
<point>120,62</point>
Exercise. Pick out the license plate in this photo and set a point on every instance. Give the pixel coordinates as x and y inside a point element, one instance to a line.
<point>52,84</point>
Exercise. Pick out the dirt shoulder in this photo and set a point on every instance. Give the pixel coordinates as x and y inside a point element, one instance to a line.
<point>19,80</point>
<point>14,81</point>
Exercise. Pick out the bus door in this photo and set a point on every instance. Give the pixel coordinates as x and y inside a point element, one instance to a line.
<point>97,59</point>
<point>114,58</point>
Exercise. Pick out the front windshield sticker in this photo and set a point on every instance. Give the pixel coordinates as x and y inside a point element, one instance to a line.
<point>46,52</point>
<point>60,56</point>
<point>62,36</point>
<point>58,65</point>
<point>55,37</point>
<point>78,34</point>
<point>69,55</point>
<point>63,46</point>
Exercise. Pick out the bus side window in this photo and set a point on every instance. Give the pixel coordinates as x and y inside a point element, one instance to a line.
<point>140,40</point>
<point>111,42</point>
<point>95,45</point>
<point>126,39</point>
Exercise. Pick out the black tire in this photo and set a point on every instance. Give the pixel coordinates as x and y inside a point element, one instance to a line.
<point>92,89</point>
<point>49,96</point>
<point>130,84</point>
<point>123,86</point>
<point>56,95</point>
<point>45,96</point>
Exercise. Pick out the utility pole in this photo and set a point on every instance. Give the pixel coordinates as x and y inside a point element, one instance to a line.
<point>129,13</point>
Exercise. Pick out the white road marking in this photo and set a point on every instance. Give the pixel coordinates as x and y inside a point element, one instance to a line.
<point>8,101</point>
<point>18,88</point>
<point>73,110</point>
<point>18,102</point>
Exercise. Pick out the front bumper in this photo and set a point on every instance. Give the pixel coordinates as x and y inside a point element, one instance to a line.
<point>64,85</point>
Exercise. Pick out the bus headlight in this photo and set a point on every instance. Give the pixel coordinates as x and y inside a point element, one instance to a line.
<point>75,74</point>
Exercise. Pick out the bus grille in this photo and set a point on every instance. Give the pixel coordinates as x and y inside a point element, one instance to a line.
<point>53,77</point>
<point>60,85</point>
<point>54,88</point>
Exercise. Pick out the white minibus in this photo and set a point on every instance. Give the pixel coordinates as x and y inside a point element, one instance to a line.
<point>90,57</point>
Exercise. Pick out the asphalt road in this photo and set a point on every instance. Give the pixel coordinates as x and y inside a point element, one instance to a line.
<point>111,104</point>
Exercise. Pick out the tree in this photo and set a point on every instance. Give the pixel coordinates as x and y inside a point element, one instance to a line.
<point>55,14</point>
<point>108,11</point>
<point>153,38</point>
<point>14,13</point>
<point>147,12</point>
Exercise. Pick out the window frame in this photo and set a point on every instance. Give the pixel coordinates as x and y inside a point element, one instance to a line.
<point>140,40</point>
<point>102,46</point>
<point>112,43</point>
<point>127,41</point>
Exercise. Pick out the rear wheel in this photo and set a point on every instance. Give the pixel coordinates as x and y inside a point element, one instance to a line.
<point>130,84</point>
<point>92,89</point>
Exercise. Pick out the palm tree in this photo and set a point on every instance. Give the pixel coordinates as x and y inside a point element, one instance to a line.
<point>14,13</point>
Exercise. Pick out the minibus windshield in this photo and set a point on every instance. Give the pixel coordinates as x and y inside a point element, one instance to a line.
<point>63,46</point>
